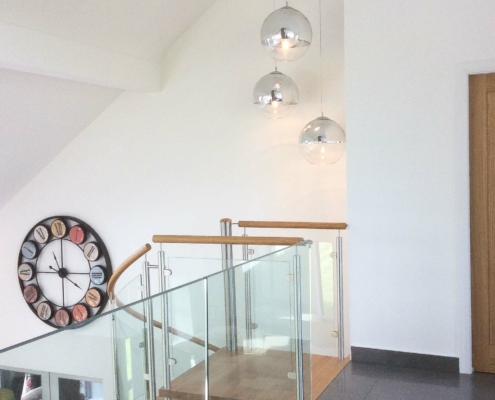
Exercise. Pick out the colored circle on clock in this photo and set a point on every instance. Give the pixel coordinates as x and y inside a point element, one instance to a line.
<point>41,234</point>
<point>77,234</point>
<point>98,275</point>
<point>25,272</point>
<point>80,312</point>
<point>91,251</point>
<point>44,311</point>
<point>59,228</point>
<point>62,317</point>
<point>31,294</point>
<point>94,297</point>
<point>29,250</point>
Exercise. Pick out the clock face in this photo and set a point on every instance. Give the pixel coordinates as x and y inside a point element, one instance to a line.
<point>63,271</point>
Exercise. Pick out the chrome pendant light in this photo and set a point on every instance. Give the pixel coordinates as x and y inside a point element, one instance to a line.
<point>322,141</point>
<point>274,94</point>
<point>286,34</point>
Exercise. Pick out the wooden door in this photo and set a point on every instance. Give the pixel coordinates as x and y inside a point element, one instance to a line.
<point>482,182</point>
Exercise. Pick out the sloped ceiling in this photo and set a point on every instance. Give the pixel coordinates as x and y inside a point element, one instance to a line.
<point>140,28</point>
<point>39,117</point>
<point>40,114</point>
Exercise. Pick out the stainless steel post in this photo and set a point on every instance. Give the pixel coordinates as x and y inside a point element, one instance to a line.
<point>230,297</point>
<point>115,354</point>
<point>207,339</point>
<point>247,299</point>
<point>150,344</point>
<point>163,285</point>
<point>299,332</point>
<point>340,282</point>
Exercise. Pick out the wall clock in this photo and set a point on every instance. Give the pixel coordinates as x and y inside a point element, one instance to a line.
<point>63,271</point>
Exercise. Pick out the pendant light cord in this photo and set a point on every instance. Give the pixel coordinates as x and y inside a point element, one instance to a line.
<point>321,65</point>
<point>274,9</point>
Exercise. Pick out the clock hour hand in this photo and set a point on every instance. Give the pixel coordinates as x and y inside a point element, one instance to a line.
<point>55,257</point>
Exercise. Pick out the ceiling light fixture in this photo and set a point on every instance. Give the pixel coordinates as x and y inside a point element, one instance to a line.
<point>322,141</point>
<point>286,34</point>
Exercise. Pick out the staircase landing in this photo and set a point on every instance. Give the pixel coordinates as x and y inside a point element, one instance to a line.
<point>260,375</point>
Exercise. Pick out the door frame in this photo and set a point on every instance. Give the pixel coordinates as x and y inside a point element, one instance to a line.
<point>462,243</point>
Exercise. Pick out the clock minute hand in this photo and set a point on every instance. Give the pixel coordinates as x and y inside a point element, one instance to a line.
<point>55,257</point>
<point>74,283</point>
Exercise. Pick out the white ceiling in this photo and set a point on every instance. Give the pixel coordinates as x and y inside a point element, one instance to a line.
<point>140,28</point>
<point>40,116</point>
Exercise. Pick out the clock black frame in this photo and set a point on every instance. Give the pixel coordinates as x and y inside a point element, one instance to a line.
<point>91,236</point>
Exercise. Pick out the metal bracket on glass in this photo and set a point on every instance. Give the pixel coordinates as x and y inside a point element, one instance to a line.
<point>290,277</point>
<point>254,326</point>
<point>141,288</point>
<point>172,361</point>
<point>250,252</point>
<point>146,377</point>
<point>141,345</point>
<point>167,272</point>
<point>291,375</point>
<point>335,334</point>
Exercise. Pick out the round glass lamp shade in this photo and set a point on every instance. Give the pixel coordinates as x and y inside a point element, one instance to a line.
<point>286,34</point>
<point>274,94</point>
<point>322,141</point>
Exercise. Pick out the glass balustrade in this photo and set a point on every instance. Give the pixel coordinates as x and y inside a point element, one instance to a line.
<point>242,333</point>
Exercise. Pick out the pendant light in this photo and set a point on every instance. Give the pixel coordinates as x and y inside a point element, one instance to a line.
<point>286,34</point>
<point>274,94</point>
<point>322,141</point>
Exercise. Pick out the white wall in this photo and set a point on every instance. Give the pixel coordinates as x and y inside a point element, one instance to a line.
<point>178,161</point>
<point>406,110</point>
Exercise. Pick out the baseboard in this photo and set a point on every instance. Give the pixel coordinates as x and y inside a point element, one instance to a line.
<point>408,360</point>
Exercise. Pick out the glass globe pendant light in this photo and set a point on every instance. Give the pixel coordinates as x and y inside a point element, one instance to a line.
<point>286,34</point>
<point>274,94</point>
<point>322,141</point>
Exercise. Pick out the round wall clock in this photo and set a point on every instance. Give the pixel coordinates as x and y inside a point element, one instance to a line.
<point>63,271</point>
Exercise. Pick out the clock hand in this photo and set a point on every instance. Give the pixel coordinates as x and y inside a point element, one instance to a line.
<point>61,252</point>
<point>55,257</point>
<point>74,283</point>
<point>52,268</point>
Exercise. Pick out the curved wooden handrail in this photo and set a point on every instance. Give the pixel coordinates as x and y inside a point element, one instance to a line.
<point>159,325</point>
<point>292,225</point>
<point>249,240</point>
<point>126,264</point>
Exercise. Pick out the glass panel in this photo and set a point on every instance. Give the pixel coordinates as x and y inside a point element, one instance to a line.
<point>130,293</point>
<point>262,367</point>
<point>131,352</point>
<point>324,299</point>
<point>186,340</point>
<point>197,268</point>
<point>82,350</point>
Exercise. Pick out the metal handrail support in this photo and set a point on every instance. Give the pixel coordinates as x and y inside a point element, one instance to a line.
<point>150,343</point>
<point>229,287</point>
<point>340,282</point>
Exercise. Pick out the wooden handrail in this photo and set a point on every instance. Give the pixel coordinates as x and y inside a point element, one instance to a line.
<point>248,240</point>
<point>292,225</point>
<point>126,264</point>
<point>159,325</point>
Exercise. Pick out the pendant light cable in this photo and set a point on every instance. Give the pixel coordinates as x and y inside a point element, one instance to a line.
<point>321,66</point>
<point>275,9</point>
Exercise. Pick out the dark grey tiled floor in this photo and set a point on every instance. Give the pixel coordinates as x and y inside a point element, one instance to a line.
<point>360,381</point>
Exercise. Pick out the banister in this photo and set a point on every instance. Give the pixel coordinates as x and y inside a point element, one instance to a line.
<point>292,225</point>
<point>159,325</point>
<point>246,240</point>
<point>123,267</point>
